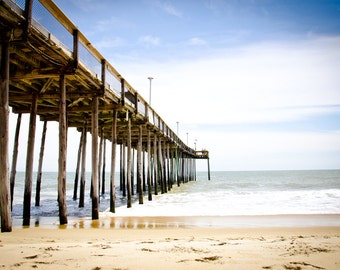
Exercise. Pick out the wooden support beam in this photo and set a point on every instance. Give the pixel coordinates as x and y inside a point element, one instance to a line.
<point>15,157</point>
<point>41,158</point>
<point>95,195</point>
<point>161,167</point>
<point>5,202</point>
<point>76,177</point>
<point>62,152</point>
<point>155,164</point>
<point>208,169</point>
<point>100,158</point>
<point>83,166</point>
<point>129,165</point>
<point>104,165</point>
<point>29,163</point>
<point>149,174</point>
<point>139,166</point>
<point>113,162</point>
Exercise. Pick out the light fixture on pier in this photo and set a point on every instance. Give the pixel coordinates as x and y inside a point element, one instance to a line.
<point>150,79</point>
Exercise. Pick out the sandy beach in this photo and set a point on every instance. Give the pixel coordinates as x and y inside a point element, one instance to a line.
<point>164,244</point>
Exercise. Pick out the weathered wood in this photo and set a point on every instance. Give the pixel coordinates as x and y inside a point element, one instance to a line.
<point>124,170</point>
<point>100,158</point>
<point>29,163</point>
<point>41,159</point>
<point>113,162</point>
<point>15,157</point>
<point>149,179</point>
<point>208,169</point>
<point>132,169</point>
<point>155,165</point>
<point>143,171</point>
<point>62,153</point>
<point>83,166</point>
<point>139,165</point>
<point>76,177</point>
<point>121,167</point>
<point>161,166</point>
<point>5,204</point>
<point>104,165</point>
<point>129,161</point>
<point>95,195</point>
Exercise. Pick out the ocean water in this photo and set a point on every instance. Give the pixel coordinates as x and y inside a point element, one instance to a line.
<point>226,194</point>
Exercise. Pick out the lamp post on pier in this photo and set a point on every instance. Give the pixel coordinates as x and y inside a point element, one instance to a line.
<point>150,79</point>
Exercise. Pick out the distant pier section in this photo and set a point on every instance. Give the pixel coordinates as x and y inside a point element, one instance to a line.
<point>49,69</point>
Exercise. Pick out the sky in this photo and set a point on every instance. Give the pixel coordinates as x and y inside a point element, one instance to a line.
<point>255,82</point>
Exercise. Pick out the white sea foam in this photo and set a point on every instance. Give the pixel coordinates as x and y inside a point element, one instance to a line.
<point>228,193</point>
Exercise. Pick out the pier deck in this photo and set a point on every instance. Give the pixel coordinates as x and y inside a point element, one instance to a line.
<point>49,69</point>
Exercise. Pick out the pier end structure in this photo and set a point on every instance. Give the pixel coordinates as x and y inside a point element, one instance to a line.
<point>50,69</point>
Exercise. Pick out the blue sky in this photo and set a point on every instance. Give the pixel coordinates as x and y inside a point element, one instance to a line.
<point>257,83</point>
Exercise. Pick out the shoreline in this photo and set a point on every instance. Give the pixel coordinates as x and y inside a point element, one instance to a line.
<point>110,221</point>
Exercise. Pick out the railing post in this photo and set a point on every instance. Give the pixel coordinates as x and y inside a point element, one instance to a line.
<point>122,82</point>
<point>103,62</point>
<point>75,48</point>
<point>136,103</point>
<point>28,17</point>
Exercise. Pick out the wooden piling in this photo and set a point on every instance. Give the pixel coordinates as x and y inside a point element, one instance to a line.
<point>103,168</point>
<point>139,165</point>
<point>29,163</point>
<point>94,181</point>
<point>113,162</point>
<point>129,165</point>
<point>155,165</point>
<point>62,153</point>
<point>100,158</point>
<point>132,170</point>
<point>15,157</point>
<point>76,178</point>
<point>41,158</point>
<point>123,171</point>
<point>83,166</point>
<point>208,169</point>
<point>143,170</point>
<point>5,204</point>
<point>149,174</point>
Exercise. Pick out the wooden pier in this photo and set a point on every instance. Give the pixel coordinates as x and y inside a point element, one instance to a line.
<point>49,69</point>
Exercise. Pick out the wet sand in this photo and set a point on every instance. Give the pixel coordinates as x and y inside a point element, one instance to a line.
<point>172,243</point>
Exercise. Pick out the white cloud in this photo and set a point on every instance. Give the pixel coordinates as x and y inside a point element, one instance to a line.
<point>197,41</point>
<point>266,82</point>
<point>109,42</point>
<point>149,40</point>
<point>170,9</point>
